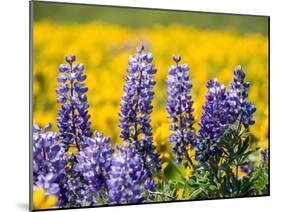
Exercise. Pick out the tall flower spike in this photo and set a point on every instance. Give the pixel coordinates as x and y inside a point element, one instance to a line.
<point>179,107</point>
<point>136,108</point>
<point>237,99</point>
<point>95,161</point>
<point>213,121</point>
<point>73,118</point>
<point>127,177</point>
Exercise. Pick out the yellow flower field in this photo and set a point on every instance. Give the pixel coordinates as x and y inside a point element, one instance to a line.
<point>104,50</point>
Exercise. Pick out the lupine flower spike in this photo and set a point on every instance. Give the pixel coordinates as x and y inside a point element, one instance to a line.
<point>213,121</point>
<point>73,118</point>
<point>136,108</point>
<point>74,127</point>
<point>179,107</point>
<point>240,109</point>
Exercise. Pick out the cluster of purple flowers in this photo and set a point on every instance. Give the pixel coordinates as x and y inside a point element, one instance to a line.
<point>74,128</point>
<point>220,111</point>
<point>94,161</point>
<point>136,108</point>
<point>77,190</point>
<point>74,176</point>
<point>48,183</point>
<point>127,177</point>
<point>179,107</point>
<point>48,161</point>
<point>79,177</point>
<point>47,153</point>
<point>73,117</point>
<point>213,121</point>
<point>237,99</point>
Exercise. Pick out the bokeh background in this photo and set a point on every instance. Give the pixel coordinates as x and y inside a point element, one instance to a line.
<point>102,38</point>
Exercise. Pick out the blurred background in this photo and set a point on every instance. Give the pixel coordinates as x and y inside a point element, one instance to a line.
<point>131,17</point>
<point>102,38</point>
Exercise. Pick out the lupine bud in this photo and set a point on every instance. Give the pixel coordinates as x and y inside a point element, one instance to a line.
<point>177,58</point>
<point>70,58</point>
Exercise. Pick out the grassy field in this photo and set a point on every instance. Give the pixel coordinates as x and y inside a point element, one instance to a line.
<point>73,13</point>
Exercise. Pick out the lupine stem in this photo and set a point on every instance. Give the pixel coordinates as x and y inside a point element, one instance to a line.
<point>72,111</point>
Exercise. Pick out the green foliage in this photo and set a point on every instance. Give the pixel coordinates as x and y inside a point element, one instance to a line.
<point>219,176</point>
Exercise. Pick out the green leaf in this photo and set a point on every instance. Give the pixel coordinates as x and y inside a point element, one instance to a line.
<point>196,194</point>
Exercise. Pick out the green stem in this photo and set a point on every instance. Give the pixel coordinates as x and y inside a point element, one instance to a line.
<point>177,168</point>
<point>161,194</point>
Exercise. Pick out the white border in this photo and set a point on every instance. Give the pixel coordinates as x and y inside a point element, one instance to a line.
<point>14,103</point>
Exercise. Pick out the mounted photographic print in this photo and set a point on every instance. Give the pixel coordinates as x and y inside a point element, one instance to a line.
<point>138,105</point>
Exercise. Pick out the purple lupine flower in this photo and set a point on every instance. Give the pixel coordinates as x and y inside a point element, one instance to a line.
<point>237,99</point>
<point>49,161</point>
<point>89,171</point>
<point>73,117</point>
<point>48,183</point>
<point>127,177</point>
<point>179,107</point>
<point>77,190</point>
<point>213,121</point>
<point>94,161</point>
<point>48,154</point>
<point>136,108</point>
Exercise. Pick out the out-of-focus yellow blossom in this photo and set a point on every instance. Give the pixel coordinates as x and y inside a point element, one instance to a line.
<point>104,50</point>
<point>43,201</point>
<point>160,141</point>
<point>189,170</point>
<point>182,195</point>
